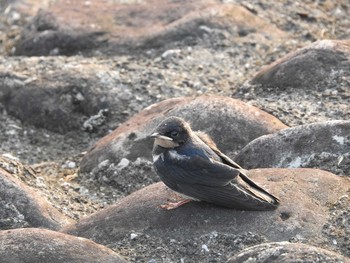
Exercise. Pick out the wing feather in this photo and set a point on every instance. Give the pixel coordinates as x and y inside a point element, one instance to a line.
<point>199,170</point>
<point>229,196</point>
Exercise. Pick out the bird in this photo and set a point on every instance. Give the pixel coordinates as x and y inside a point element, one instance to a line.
<point>189,163</point>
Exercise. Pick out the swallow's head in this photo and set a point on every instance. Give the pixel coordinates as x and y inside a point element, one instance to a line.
<point>172,132</point>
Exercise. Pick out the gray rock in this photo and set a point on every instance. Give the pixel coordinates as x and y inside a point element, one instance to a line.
<point>313,67</point>
<point>231,123</point>
<point>43,35</point>
<point>41,245</point>
<point>322,145</point>
<point>286,252</point>
<point>76,96</point>
<point>339,216</point>
<point>306,197</point>
<point>22,206</point>
<point>309,84</point>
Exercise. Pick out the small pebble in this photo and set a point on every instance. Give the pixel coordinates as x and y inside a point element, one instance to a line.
<point>205,248</point>
<point>133,236</point>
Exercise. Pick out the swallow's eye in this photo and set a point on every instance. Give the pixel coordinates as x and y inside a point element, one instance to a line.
<point>174,134</point>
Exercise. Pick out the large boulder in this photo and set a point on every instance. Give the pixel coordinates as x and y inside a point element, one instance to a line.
<point>307,195</point>
<point>41,245</point>
<point>22,206</point>
<point>75,94</point>
<point>304,83</point>
<point>311,67</point>
<point>231,123</point>
<point>120,27</point>
<point>323,145</point>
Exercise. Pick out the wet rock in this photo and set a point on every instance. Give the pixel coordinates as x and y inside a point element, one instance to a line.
<point>286,252</point>
<point>118,27</point>
<point>322,145</point>
<point>306,198</point>
<point>40,245</point>
<point>22,206</point>
<point>231,123</point>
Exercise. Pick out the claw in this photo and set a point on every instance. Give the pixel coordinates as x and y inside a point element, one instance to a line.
<point>170,206</point>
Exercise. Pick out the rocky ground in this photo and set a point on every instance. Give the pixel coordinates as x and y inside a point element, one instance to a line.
<point>70,76</point>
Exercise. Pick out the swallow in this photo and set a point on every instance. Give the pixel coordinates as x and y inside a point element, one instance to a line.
<point>191,164</point>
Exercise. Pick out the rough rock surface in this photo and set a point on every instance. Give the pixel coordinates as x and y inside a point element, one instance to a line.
<point>21,205</point>
<point>63,98</point>
<point>319,73</point>
<point>340,218</point>
<point>52,108</point>
<point>307,195</point>
<point>286,252</point>
<point>41,245</point>
<point>307,67</point>
<point>120,28</point>
<point>232,122</point>
<point>322,145</point>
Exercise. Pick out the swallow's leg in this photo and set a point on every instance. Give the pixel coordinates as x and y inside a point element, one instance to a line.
<point>170,206</point>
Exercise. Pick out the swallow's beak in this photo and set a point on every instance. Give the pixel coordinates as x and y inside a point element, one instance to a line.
<point>163,141</point>
<point>154,135</point>
<point>159,136</point>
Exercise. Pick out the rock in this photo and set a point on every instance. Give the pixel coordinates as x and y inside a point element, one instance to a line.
<point>340,234</point>
<point>231,123</point>
<point>286,252</point>
<point>41,245</point>
<point>22,206</point>
<point>309,68</point>
<point>307,197</point>
<point>304,83</point>
<point>322,145</point>
<point>107,27</point>
<point>109,182</point>
<point>63,98</point>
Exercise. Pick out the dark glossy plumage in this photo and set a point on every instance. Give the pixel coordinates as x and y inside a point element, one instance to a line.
<point>190,163</point>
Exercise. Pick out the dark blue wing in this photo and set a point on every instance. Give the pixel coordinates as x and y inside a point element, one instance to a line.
<point>231,196</point>
<point>195,169</point>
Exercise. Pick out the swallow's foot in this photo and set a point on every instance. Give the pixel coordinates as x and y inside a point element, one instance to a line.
<point>170,206</point>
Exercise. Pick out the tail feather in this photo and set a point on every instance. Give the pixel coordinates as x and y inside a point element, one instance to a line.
<point>256,190</point>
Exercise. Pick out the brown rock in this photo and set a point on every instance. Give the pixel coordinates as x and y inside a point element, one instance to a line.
<point>231,123</point>
<point>40,245</point>
<point>306,197</point>
<point>307,84</point>
<point>116,27</point>
<point>323,145</point>
<point>65,97</point>
<point>286,252</point>
<point>318,66</point>
<point>22,206</point>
